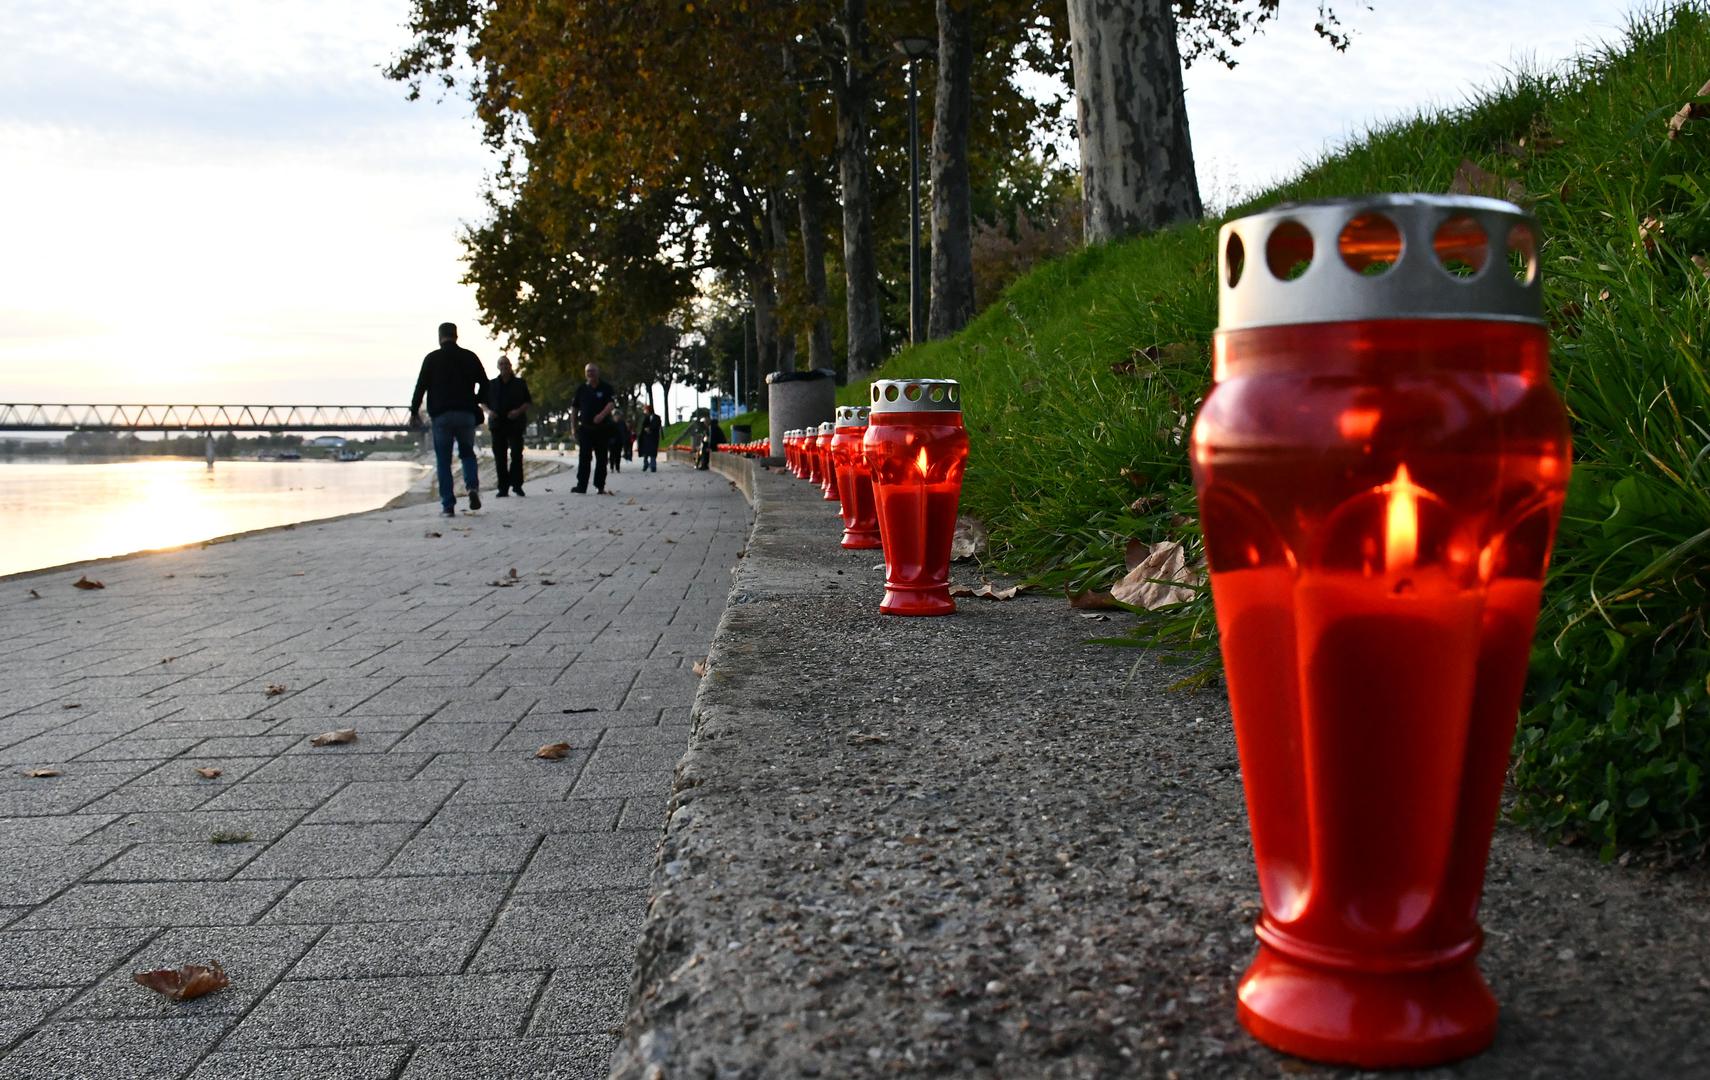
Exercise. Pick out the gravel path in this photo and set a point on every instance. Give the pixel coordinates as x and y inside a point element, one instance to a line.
<point>980,846</point>
<point>429,901</point>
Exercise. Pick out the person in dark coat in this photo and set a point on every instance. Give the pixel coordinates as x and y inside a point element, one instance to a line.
<point>647,439</point>
<point>620,441</point>
<point>590,416</point>
<point>454,382</point>
<point>715,439</point>
<point>508,400</point>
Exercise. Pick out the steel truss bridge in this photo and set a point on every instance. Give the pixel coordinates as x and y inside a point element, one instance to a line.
<point>204,418</point>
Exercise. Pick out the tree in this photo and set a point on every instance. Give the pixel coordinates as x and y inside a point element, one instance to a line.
<point>952,200</point>
<point>1137,169</point>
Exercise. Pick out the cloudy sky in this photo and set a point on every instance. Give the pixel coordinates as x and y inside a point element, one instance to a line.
<point>222,199</point>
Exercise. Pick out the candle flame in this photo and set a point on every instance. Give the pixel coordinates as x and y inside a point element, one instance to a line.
<point>920,462</point>
<point>1401,523</point>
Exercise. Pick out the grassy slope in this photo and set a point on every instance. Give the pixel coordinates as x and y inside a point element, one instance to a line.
<point>1081,381</point>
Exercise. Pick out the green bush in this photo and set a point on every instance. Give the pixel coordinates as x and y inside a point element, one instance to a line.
<point>1082,380</point>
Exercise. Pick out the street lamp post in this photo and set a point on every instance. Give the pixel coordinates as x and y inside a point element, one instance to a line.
<point>915,49</point>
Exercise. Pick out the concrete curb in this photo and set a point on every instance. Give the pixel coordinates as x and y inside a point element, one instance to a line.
<point>985,846</point>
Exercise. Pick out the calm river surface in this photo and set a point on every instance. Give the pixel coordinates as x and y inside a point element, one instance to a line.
<point>51,514</point>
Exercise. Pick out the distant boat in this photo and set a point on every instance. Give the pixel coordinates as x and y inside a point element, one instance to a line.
<point>347,454</point>
<point>290,455</point>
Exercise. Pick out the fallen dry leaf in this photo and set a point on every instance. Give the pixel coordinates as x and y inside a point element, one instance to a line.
<point>1472,180</point>
<point>274,689</point>
<point>1703,265</point>
<point>434,535</point>
<point>987,592</point>
<point>502,583</point>
<point>87,582</point>
<point>553,751</point>
<point>970,538</point>
<point>1091,599</point>
<point>168,659</point>
<point>513,573</point>
<point>1649,229</point>
<point>580,709</point>
<point>1137,479</point>
<point>1158,575</point>
<point>186,983</point>
<point>334,738</point>
<point>73,705</point>
<point>699,668</point>
<point>547,581</point>
<point>40,774</point>
<point>1690,111</point>
<point>209,773</point>
<point>298,573</point>
<point>34,595</point>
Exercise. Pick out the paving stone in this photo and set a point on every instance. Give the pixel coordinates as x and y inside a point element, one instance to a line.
<point>201,861</point>
<point>538,931</point>
<point>113,1049</point>
<point>261,825</point>
<point>38,958</point>
<point>367,950</point>
<point>672,735</point>
<point>33,873</point>
<point>410,1009</point>
<point>331,766</point>
<point>518,788</point>
<point>590,861</point>
<point>247,745</point>
<point>253,957</point>
<point>643,813</point>
<point>303,795</point>
<point>596,783</point>
<point>517,762</point>
<point>635,758</point>
<point>432,738</point>
<point>21,1010</point>
<point>316,1063</point>
<point>131,748</point>
<point>409,800</point>
<point>582,1058</point>
<point>583,1000</point>
<point>329,851</point>
<point>315,724</point>
<point>179,903</point>
<point>52,796</point>
<point>456,898</point>
<point>437,855</point>
<point>153,798</point>
<point>475,819</point>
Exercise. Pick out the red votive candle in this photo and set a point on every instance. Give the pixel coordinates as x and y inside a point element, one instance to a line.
<point>827,462</point>
<point>813,471</point>
<point>916,449</point>
<point>854,482</point>
<point>1380,464</point>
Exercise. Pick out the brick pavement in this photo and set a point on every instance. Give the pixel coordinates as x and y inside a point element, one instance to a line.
<point>431,901</point>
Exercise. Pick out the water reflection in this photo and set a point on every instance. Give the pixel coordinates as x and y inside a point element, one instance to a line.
<point>58,513</point>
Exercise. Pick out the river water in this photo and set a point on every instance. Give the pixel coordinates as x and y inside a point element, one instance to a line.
<point>57,513</point>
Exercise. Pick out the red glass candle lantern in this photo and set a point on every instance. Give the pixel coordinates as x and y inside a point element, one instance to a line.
<point>799,453</point>
<point>854,482</point>
<point>916,449</point>
<point>811,471</point>
<point>790,451</point>
<point>1381,464</point>
<point>827,463</point>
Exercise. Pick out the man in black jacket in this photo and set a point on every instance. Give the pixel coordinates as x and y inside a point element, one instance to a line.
<point>508,400</point>
<point>590,414</point>
<point>647,439</point>
<point>454,382</point>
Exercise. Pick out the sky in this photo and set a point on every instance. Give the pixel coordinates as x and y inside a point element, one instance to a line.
<point>223,201</point>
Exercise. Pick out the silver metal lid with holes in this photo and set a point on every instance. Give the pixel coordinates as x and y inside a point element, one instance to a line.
<point>1379,257</point>
<point>851,416</point>
<point>916,395</point>
<point>826,428</point>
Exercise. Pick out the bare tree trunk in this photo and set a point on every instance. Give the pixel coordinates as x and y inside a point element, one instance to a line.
<point>860,265</point>
<point>785,338</point>
<point>812,205</point>
<point>1136,157</point>
<point>952,196</point>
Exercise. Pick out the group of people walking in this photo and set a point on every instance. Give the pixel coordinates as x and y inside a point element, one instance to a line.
<point>456,390</point>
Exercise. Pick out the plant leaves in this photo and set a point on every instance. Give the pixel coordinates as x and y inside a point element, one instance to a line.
<point>1472,180</point>
<point>970,539</point>
<point>87,582</point>
<point>1690,111</point>
<point>1157,576</point>
<point>209,773</point>
<point>553,751</point>
<point>185,983</point>
<point>334,738</point>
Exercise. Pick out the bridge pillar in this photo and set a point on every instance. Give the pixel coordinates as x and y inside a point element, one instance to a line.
<point>210,449</point>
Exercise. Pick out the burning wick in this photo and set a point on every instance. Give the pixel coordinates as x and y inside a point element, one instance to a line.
<point>1401,523</point>
<point>920,462</point>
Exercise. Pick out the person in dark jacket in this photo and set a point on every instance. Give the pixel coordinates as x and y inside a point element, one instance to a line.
<point>647,439</point>
<point>454,382</point>
<point>590,416</point>
<point>508,400</point>
<point>620,440</point>
<point>715,438</point>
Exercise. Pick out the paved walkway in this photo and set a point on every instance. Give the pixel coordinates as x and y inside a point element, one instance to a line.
<point>431,901</point>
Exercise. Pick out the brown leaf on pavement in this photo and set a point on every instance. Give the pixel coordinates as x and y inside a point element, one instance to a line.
<point>334,738</point>
<point>1158,575</point>
<point>34,595</point>
<point>434,535</point>
<point>186,983</point>
<point>547,581</point>
<point>970,538</point>
<point>209,773</point>
<point>39,774</point>
<point>553,751</point>
<point>1472,180</point>
<point>73,705</point>
<point>87,582</point>
<point>513,573</point>
<point>699,668</point>
<point>1091,600</point>
<point>274,689</point>
<point>986,591</point>
<point>1692,110</point>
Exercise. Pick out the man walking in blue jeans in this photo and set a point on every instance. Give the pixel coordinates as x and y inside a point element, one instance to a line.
<point>454,382</point>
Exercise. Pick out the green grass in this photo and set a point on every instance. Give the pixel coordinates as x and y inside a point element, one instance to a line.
<point>1081,381</point>
<point>755,420</point>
